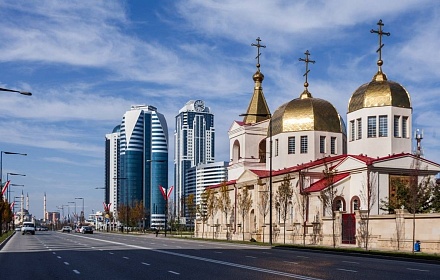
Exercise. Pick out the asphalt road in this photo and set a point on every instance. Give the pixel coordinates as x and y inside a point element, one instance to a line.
<point>55,255</point>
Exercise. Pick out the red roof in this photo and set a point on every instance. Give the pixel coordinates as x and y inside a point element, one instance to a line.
<point>322,184</point>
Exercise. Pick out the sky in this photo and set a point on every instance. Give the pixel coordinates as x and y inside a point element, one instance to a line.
<point>87,62</point>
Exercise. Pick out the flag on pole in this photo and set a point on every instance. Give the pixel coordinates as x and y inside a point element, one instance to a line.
<point>167,194</point>
<point>5,187</point>
<point>12,206</point>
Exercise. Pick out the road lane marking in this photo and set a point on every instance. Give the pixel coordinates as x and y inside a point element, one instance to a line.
<point>173,272</point>
<point>252,257</point>
<point>347,270</point>
<point>76,271</point>
<point>66,263</point>
<point>236,265</point>
<point>291,262</point>
<point>415,269</point>
<point>350,262</point>
<point>111,253</point>
<point>59,257</point>
<point>145,263</point>
<point>127,258</point>
<point>217,252</point>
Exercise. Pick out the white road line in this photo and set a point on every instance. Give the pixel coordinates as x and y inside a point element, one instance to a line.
<point>127,258</point>
<point>59,257</point>
<point>66,263</point>
<point>350,262</point>
<point>54,253</point>
<point>415,269</point>
<point>217,252</point>
<point>347,270</point>
<point>76,271</point>
<point>252,257</point>
<point>173,272</point>
<point>267,253</point>
<point>111,253</point>
<point>145,263</point>
<point>253,268</point>
<point>291,262</point>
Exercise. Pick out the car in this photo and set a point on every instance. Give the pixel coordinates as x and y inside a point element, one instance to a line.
<point>67,229</point>
<point>86,229</point>
<point>28,227</point>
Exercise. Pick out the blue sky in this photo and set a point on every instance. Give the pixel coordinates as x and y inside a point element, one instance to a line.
<point>87,62</point>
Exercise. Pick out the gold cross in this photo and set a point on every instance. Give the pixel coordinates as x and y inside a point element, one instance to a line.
<point>258,45</point>
<point>307,61</point>
<point>380,33</point>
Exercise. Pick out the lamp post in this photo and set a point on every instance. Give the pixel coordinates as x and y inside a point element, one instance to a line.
<point>82,213</point>
<point>270,169</point>
<point>7,179</point>
<point>74,214</point>
<point>1,161</point>
<point>17,91</point>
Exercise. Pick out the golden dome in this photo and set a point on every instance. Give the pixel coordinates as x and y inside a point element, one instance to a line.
<point>379,92</point>
<point>306,114</point>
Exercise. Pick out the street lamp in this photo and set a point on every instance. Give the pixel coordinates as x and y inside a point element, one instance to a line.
<point>270,169</point>
<point>7,179</point>
<point>74,214</point>
<point>1,162</point>
<point>82,213</point>
<point>17,91</point>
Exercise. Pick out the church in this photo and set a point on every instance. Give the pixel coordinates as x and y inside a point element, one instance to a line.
<point>301,175</point>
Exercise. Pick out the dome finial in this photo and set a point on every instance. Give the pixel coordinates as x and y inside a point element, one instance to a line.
<point>307,61</point>
<point>258,45</point>
<point>379,50</point>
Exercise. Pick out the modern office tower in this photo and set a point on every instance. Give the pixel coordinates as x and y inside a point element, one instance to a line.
<point>193,145</point>
<point>203,175</point>
<point>144,162</point>
<point>112,161</point>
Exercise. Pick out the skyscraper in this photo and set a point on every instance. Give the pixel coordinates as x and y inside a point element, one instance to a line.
<point>193,145</point>
<point>112,162</point>
<point>144,162</point>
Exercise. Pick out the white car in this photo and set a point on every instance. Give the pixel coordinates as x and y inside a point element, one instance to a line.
<point>28,227</point>
<point>67,229</point>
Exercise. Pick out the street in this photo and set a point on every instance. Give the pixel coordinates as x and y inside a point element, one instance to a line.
<point>55,255</point>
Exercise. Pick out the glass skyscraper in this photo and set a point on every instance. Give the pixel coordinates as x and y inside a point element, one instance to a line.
<point>144,162</point>
<point>193,145</point>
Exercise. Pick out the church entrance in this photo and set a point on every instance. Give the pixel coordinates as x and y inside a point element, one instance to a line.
<point>348,229</point>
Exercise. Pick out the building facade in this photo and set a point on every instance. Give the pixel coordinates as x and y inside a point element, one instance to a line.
<point>112,163</point>
<point>334,177</point>
<point>144,162</point>
<point>193,145</point>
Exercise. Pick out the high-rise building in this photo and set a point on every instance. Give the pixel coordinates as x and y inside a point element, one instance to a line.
<point>112,161</point>
<point>144,162</point>
<point>203,175</point>
<point>193,145</point>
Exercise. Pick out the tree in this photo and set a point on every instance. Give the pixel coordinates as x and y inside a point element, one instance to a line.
<point>369,196</point>
<point>328,196</point>
<point>137,214</point>
<point>244,205</point>
<point>263,206</point>
<point>302,199</point>
<point>202,209</point>
<point>224,202</point>
<point>191,208</point>
<point>211,207</point>
<point>123,214</point>
<point>284,198</point>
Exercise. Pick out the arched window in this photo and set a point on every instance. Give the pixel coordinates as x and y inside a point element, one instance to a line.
<point>339,204</point>
<point>355,203</point>
<point>236,151</point>
<point>262,151</point>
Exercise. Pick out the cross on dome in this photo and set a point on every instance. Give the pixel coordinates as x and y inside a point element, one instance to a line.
<point>307,61</point>
<point>258,45</point>
<point>380,32</point>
